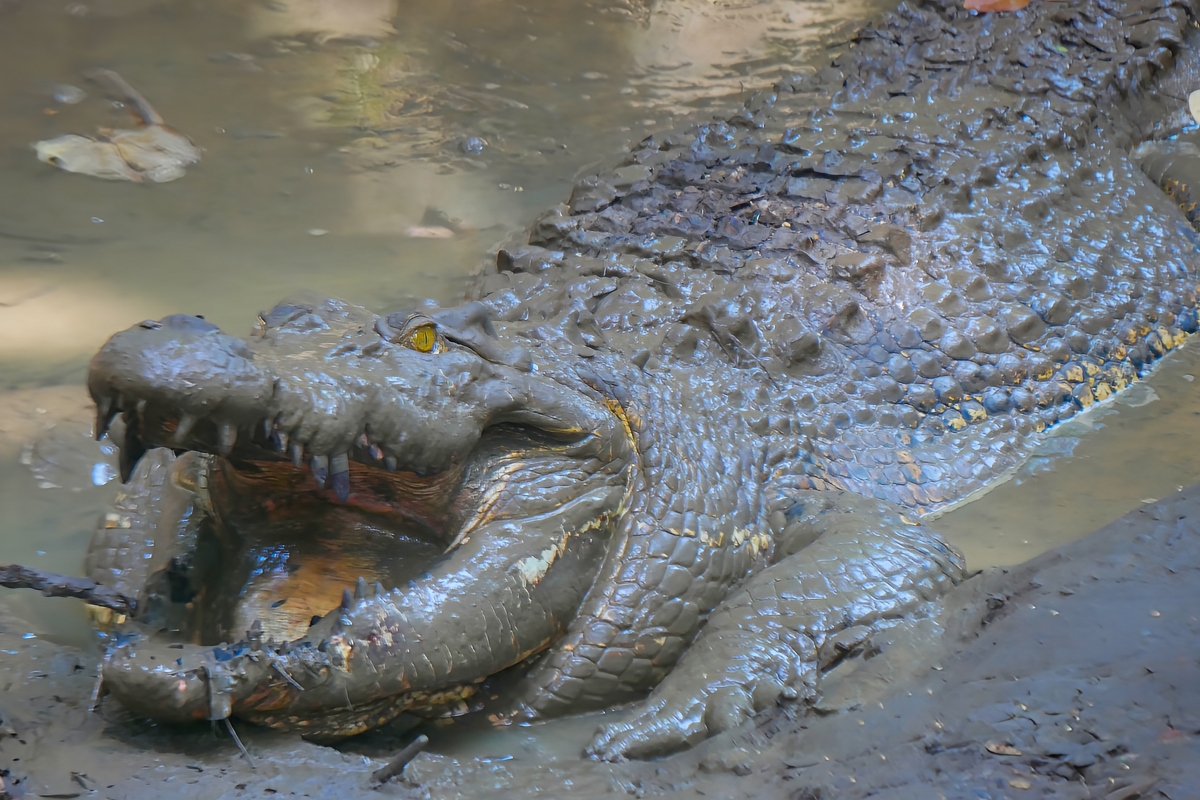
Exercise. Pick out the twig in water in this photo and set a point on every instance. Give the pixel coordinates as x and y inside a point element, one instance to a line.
<point>286,676</point>
<point>238,742</point>
<point>397,764</point>
<point>52,584</point>
<point>97,690</point>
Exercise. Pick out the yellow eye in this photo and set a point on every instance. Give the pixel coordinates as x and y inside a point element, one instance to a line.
<point>423,338</point>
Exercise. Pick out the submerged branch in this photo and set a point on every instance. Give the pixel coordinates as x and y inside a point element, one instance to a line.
<point>397,764</point>
<point>52,584</point>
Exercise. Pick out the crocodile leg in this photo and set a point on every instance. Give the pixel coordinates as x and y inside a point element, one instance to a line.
<point>843,564</point>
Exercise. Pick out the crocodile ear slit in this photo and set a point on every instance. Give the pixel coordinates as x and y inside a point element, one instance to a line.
<point>517,357</point>
<point>465,318</point>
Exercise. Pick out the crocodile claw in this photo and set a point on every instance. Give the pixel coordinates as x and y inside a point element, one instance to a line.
<point>660,726</point>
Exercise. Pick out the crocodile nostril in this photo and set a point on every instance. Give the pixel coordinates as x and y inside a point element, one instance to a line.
<point>183,322</point>
<point>282,314</point>
<point>150,325</point>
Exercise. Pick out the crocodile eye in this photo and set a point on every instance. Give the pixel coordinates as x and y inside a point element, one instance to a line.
<point>423,338</point>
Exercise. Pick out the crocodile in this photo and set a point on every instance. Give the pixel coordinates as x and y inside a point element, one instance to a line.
<point>678,449</point>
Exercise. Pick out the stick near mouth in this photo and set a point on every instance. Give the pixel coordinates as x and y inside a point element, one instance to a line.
<point>52,584</point>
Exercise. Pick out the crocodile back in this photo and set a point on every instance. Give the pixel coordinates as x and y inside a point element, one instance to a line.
<point>892,277</point>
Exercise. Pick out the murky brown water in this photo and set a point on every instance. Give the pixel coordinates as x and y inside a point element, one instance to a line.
<point>329,129</point>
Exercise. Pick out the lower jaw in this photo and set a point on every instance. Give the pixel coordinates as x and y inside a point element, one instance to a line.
<point>139,673</point>
<point>402,711</point>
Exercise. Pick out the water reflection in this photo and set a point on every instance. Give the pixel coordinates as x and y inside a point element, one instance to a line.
<point>1120,455</point>
<point>346,118</point>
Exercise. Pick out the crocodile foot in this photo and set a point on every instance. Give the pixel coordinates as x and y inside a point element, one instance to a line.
<point>671,721</point>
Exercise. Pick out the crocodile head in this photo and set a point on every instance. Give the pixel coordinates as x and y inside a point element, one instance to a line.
<point>399,506</point>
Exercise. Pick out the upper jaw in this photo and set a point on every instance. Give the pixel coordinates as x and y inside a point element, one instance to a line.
<point>182,363</point>
<point>322,387</point>
<point>191,386</point>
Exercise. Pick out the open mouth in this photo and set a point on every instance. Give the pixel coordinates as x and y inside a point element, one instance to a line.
<point>278,549</point>
<point>363,517</point>
<point>281,536</point>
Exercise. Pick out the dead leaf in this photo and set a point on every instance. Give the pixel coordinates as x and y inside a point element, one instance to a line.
<point>995,5</point>
<point>429,232</point>
<point>1002,748</point>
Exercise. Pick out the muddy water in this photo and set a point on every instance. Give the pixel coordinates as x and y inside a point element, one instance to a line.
<point>338,138</point>
<point>369,149</point>
<point>1136,449</point>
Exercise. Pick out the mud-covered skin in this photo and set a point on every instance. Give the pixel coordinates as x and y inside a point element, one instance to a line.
<point>510,508</point>
<point>890,294</point>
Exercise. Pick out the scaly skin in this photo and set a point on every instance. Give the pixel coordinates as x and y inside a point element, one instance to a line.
<point>767,346</point>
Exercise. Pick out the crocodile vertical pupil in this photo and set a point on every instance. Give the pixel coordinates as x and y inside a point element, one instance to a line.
<point>423,338</point>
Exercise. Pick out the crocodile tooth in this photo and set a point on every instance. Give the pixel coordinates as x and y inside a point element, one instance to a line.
<point>132,448</point>
<point>360,589</point>
<point>363,441</point>
<point>320,470</point>
<point>183,428</point>
<point>390,463</point>
<point>268,427</point>
<point>339,476</point>
<point>226,438</point>
<point>279,439</point>
<point>141,408</point>
<point>105,411</point>
<point>347,600</point>
<point>297,455</point>
<point>378,588</point>
<point>255,634</point>
<point>376,452</point>
<point>340,483</point>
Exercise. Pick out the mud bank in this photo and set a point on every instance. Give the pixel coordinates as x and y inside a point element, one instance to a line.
<point>1071,676</point>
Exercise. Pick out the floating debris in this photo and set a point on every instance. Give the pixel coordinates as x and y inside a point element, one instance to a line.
<point>153,152</point>
<point>428,232</point>
<point>243,61</point>
<point>67,94</point>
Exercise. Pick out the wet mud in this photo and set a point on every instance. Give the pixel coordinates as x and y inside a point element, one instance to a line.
<point>1070,676</point>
